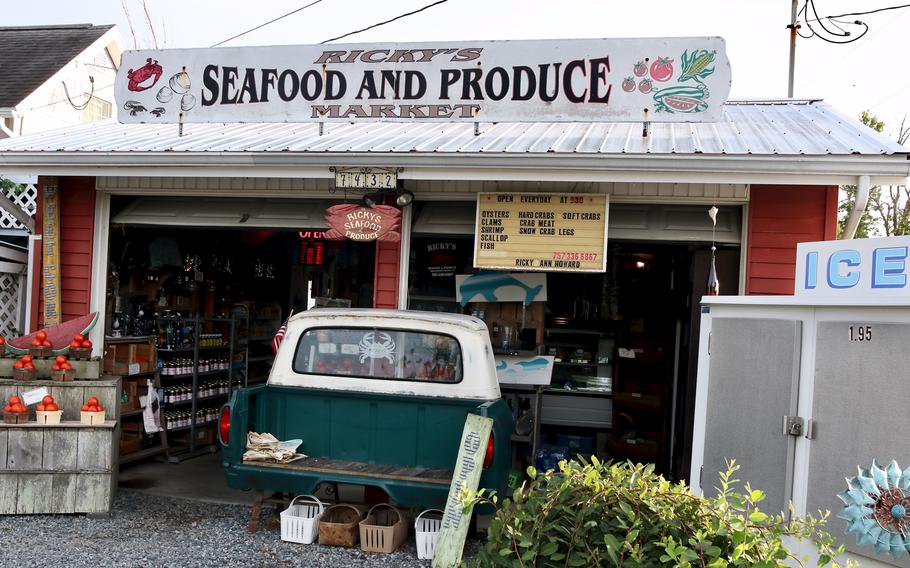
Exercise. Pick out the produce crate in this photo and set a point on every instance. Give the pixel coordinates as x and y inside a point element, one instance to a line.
<point>339,525</point>
<point>84,369</point>
<point>129,358</point>
<point>426,529</point>
<point>383,530</point>
<point>300,522</point>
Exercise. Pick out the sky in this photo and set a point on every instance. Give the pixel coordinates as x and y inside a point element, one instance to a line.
<point>867,74</point>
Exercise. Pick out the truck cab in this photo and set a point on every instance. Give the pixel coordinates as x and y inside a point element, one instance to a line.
<point>379,398</point>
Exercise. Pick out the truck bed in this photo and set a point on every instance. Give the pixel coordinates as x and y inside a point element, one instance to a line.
<point>406,445</point>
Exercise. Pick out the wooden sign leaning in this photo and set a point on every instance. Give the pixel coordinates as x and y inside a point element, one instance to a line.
<point>456,519</point>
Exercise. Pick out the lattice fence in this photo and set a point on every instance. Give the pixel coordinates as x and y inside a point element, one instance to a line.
<point>9,304</point>
<point>26,198</point>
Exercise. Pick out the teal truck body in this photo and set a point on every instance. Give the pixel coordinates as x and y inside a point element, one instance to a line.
<point>379,398</point>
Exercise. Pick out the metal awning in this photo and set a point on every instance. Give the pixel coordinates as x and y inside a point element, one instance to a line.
<point>228,213</point>
<point>758,141</point>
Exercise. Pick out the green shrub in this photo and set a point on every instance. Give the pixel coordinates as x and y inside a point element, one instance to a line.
<point>594,514</point>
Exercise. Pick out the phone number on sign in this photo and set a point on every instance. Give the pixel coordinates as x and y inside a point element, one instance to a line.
<point>590,256</point>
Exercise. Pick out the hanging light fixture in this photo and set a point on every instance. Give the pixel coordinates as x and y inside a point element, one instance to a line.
<point>404,198</point>
<point>713,282</point>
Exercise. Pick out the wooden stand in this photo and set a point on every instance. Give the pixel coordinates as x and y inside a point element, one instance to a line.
<point>63,468</point>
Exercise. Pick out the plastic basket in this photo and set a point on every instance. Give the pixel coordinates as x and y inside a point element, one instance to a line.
<point>427,531</point>
<point>300,522</point>
<point>383,530</point>
<point>338,525</point>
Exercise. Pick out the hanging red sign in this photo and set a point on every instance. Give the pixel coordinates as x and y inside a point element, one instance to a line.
<point>358,223</point>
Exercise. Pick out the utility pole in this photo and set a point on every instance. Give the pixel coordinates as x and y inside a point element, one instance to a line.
<point>793,12</point>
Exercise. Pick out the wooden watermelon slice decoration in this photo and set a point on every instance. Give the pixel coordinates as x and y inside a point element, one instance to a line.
<point>59,335</point>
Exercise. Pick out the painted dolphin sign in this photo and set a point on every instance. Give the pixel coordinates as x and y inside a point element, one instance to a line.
<point>536,370</point>
<point>489,286</point>
<point>681,79</point>
<point>855,269</point>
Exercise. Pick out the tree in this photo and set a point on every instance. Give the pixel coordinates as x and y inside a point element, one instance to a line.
<point>888,209</point>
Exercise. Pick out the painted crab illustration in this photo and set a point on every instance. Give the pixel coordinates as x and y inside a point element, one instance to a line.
<point>372,349</point>
<point>138,78</point>
<point>877,508</point>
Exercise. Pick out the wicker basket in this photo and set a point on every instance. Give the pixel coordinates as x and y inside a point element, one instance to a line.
<point>91,418</point>
<point>25,374</point>
<point>15,417</point>
<point>48,417</point>
<point>63,375</point>
<point>383,530</point>
<point>338,525</point>
<point>300,522</point>
<point>41,352</point>
<point>426,529</point>
<point>80,353</point>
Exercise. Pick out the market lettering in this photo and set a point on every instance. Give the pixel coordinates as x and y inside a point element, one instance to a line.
<point>394,111</point>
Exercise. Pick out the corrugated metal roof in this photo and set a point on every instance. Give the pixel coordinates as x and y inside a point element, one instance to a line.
<point>785,128</point>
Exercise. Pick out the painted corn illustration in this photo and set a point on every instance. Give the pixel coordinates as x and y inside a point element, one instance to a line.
<point>696,65</point>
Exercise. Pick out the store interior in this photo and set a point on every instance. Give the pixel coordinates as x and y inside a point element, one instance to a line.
<point>210,300</point>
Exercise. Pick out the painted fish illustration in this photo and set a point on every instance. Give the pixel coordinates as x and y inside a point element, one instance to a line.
<point>487,283</point>
<point>501,366</point>
<point>533,363</point>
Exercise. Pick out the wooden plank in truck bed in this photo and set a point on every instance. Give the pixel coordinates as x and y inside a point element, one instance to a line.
<point>377,471</point>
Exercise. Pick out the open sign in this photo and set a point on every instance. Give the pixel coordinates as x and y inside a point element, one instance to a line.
<point>861,267</point>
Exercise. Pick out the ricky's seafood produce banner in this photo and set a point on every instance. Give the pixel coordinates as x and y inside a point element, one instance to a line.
<point>630,80</point>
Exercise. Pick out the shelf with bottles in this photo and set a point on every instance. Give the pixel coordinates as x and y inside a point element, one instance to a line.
<point>183,394</point>
<point>176,420</point>
<point>183,367</point>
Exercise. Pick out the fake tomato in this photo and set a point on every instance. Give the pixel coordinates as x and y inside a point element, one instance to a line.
<point>41,335</point>
<point>60,359</point>
<point>14,400</point>
<point>47,400</point>
<point>92,401</point>
<point>40,408</point>
<point>52,407</point>
<point>79,337</point>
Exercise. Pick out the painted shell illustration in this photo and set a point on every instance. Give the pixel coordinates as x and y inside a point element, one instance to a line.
<point>138,78</point>
<point>180,83</point>
<point>877,508</point>
<point>187,102</point>
<point>165,94</point>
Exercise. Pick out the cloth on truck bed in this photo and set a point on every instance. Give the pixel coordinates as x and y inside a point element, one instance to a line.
<point>267,448</point>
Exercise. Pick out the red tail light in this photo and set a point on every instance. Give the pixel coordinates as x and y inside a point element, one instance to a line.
<point>224,425</point>
<point>488,458</point>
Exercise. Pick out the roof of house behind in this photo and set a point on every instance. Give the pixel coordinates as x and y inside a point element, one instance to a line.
<point>30,55</point>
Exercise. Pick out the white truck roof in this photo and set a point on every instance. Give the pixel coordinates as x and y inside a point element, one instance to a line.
<point>478,380</point>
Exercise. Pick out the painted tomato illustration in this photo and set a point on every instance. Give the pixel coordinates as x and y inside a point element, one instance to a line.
<point>645,86</point>
<point>628,84</point>
<point>662,69</point>
<point>640,69</point>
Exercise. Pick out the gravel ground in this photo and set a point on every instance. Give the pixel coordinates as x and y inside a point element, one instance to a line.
<point>152,532</point>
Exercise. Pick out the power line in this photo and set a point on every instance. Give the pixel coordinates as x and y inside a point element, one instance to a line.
<point>291,13</point>
<point>861,13</point>
<point>427,7</point>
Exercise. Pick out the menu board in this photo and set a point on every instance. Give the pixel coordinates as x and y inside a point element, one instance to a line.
<point>553,232</point>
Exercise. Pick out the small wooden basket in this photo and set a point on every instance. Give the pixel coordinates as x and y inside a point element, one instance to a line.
<point>80,353</point>
<point>383,530</point>
<point>25,374</point>
<point>48,417</point>
<point>63,375</point>
<point>339,525</point>
<point>15,417</point>
<point>92,418</point>
<point>41,352</point>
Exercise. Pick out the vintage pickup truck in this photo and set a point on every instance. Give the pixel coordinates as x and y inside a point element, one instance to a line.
<point>379,398</point>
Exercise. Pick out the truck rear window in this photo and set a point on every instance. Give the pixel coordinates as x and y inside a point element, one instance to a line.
<point>379,354</point>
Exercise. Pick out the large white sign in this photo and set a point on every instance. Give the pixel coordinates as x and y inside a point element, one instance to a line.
<point>654,79</point>
<point>861,268</point>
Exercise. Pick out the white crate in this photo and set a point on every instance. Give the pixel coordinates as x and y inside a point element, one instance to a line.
<point>300,522</point>
<point>427,530</point>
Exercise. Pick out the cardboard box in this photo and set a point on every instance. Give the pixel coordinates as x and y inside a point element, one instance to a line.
<point>129,358</point>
